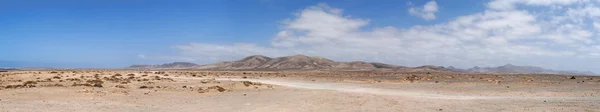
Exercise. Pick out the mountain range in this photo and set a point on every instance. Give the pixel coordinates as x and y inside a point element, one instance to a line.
<point>514,69</point>
<point>302,62</point>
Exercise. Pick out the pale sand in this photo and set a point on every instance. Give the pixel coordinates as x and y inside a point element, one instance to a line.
<point>300,95</point>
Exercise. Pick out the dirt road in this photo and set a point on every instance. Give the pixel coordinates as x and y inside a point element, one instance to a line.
<point>357,88</point>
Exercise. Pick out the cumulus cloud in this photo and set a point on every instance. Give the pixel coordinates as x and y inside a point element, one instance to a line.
<point>490,37</point>
<point>512,4</point>
<point>427,12</point>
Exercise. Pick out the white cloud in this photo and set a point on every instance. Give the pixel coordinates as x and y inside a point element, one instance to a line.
<point>512,4</point>
<point>597,26</point>
<point>491,37</point>
<point>427,12</point>
<point>141,56</point>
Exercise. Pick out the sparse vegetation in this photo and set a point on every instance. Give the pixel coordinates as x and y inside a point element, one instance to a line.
<point>145,87</point>
<point>120,86</point>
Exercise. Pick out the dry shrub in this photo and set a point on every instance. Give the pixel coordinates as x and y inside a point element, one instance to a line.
<point>85,84</point>
<point>53,85</point>
<point>203,90</point>
<point>91,83</point>
<point>73,79</point>
<point>218,88</point>
<point>146,87</point>
<point>29,83</point>
<point>248,83</point>
<point>130,75</point>
<point>97,85</point>
<point>97,81</point>
<point>120,86</point>
<point>13,86</point>
<point>411,78</point>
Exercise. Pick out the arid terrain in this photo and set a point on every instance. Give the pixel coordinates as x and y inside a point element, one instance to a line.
<point>128,90</point>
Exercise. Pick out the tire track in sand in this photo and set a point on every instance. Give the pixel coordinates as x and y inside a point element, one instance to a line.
<point>344,87</point>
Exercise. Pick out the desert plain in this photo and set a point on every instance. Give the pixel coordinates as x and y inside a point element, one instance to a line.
<point>127,90</point>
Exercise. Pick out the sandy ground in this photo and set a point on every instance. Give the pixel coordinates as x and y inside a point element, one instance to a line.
<point>133,91</point>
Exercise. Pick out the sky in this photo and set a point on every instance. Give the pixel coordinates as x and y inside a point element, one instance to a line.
<point>555,34</point>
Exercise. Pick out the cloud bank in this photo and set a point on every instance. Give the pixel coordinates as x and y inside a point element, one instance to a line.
<point>503,33</point>
<point>427,12</point>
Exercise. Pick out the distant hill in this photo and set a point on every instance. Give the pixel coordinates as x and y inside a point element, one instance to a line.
<point>303,62</point>
<point>295,62</point>
<point>513,69</point>
<point>7,69</point>
<point>174,65</point>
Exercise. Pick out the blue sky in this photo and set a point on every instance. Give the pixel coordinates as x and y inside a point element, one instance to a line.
<point>118,33</point>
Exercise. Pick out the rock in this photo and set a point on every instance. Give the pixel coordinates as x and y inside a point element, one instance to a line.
<point>97,85</point>
<point>248,83</point>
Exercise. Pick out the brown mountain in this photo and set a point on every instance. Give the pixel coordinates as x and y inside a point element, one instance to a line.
<point>301,62</point>
<point>296,62</point>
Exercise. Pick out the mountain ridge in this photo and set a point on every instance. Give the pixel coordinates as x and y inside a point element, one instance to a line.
<point>303,62</point>
<point>514,69</point>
